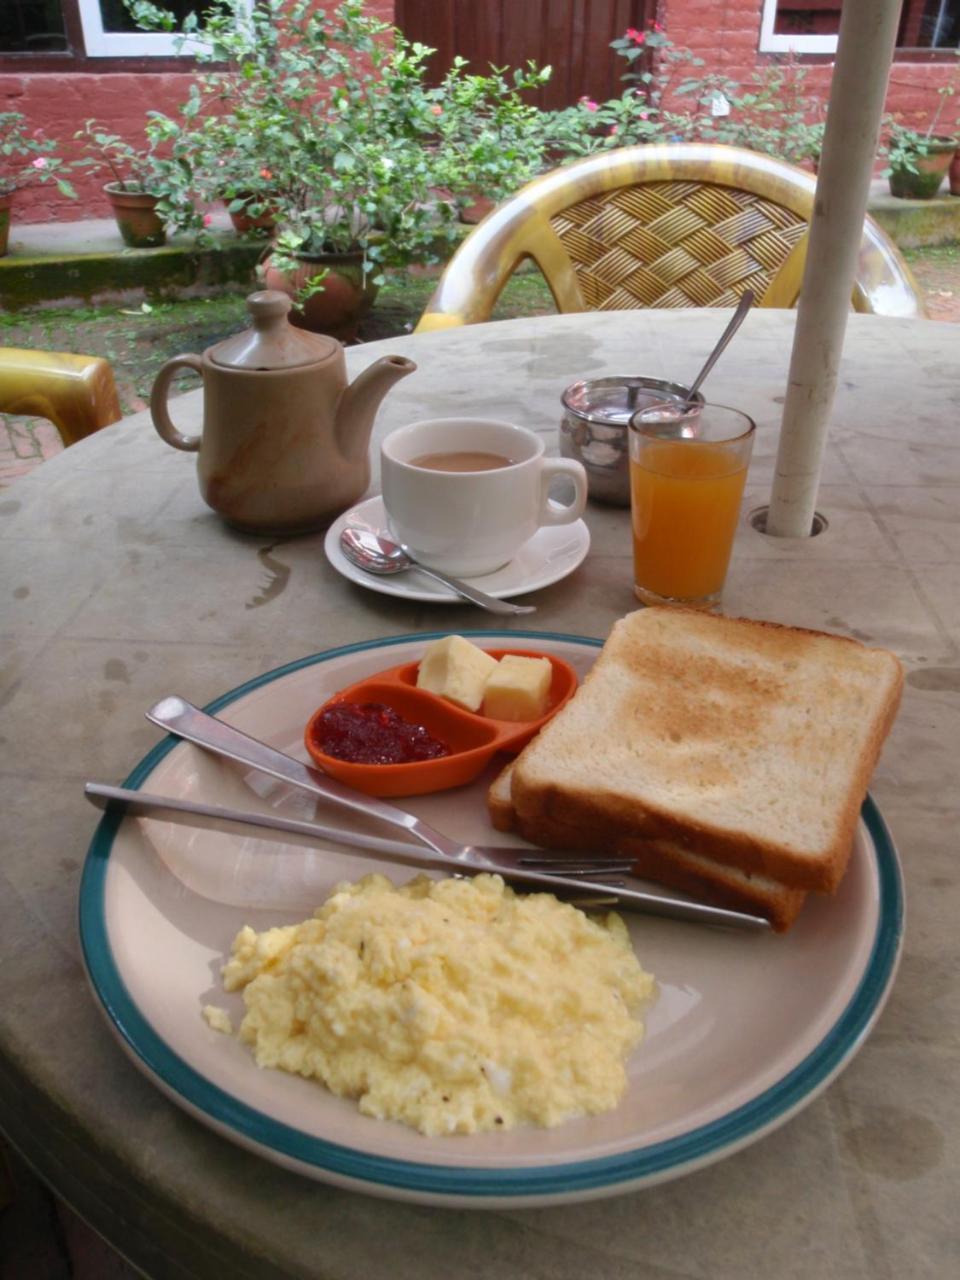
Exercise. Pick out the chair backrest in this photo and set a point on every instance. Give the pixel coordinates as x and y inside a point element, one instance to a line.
<point>77,394</point>
<point>673,225</point>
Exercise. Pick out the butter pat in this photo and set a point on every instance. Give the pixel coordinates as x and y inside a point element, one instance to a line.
<point>455,669</point>
<point>518,689</point>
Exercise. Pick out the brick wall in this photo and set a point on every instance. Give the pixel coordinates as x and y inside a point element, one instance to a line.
<point>59,102</point>
<point>726,34</point>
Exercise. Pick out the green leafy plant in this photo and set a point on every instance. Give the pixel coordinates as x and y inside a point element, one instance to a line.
<point>669,96</point>
<point>162,167</point>
<point>903,146</point>
<point>487,138</point>
<point>139,170</point>
<point>322,117</point>
<point>27,157</point>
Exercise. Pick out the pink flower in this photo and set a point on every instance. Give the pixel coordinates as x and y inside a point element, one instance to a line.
<point>644,114</point>
<point>39,163</point>
<point>589,104</point>
<point>612,130</point>
<point>657,26</point>
<point>265,173</point>
<point>436,109</point>
<point>636,36</point>
<point>207,219</point>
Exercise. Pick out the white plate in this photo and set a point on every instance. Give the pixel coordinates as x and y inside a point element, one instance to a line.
<point>551,554</point>
<point>746,1029</point>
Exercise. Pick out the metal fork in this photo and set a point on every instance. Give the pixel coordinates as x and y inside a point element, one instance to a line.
<point>586,893</point>
<point>186,721</point>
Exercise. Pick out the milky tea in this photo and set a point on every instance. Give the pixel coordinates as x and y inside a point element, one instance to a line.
<point>462,460</point>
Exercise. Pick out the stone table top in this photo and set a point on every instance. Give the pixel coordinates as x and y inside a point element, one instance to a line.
<point>119,585</point>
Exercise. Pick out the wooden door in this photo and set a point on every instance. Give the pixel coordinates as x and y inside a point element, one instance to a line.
<point>572,36</point>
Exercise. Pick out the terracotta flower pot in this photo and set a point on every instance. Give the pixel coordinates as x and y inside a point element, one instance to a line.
<point>954,172</point>
<point>242,221</point>
<point>925,183</point>
<point>346,297</point>
<point>6,200</point>
<point>137,218</point>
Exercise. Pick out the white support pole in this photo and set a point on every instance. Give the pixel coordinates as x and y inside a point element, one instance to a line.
<point>868,29</point>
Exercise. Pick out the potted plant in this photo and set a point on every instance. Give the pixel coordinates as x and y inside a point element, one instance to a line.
<point>917,162</point>
<point>143,179</point>
<point>229,158</point>
<point>322,119</point>
<point>25,157</point>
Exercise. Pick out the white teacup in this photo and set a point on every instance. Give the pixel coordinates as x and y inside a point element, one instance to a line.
<point>464,520</point>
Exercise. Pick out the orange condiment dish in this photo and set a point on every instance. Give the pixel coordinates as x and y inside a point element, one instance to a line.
<point>473,739</point>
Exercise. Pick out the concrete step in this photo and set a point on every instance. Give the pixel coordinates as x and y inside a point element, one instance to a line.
<point>916,224</point>
<point>55,264</point>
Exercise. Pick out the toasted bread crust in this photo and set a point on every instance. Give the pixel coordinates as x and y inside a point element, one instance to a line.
<point>661,861</point>
<point>614,812</point>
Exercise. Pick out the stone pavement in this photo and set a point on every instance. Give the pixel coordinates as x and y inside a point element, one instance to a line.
<point>24,444</point>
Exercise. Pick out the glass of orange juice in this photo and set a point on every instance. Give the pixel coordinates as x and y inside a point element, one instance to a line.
<point>687,472</point>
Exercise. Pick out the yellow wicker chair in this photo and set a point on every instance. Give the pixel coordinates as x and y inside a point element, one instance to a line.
<point>76,393</point>
<point>672,225</point>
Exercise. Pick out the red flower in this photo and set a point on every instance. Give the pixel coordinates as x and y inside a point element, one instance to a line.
<point>636,36</point>
<point>265,173</point>
<point>437,109</point>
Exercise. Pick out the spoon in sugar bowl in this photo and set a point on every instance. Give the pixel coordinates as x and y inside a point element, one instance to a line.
<point>736,320</point>
<point>375,554</point>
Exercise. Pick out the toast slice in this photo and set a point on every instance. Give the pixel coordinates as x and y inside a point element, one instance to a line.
<point>662,861</point>
<point>746,743</point>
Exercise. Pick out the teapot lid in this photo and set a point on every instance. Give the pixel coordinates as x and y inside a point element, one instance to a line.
<point>273,342</point>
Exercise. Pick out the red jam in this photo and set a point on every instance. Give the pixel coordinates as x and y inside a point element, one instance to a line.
<point>371,733</point>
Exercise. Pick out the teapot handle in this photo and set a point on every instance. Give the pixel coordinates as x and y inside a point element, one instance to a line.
<point>158,403</point>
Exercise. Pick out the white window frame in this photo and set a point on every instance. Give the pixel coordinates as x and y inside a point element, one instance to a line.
<point>132,44</point>
<point>777,42</point>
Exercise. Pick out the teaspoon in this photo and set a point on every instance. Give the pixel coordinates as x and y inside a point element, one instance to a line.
<point>736,320</point>
<point>375,554</point>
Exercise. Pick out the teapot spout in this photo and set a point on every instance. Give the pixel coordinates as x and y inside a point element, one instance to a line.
<point>360,401</point>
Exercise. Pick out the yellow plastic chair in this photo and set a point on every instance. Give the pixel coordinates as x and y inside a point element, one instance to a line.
<point>672,225</point>
<point>76,393</point>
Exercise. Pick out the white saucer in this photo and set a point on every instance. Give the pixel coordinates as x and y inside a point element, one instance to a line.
<point>551,554</point>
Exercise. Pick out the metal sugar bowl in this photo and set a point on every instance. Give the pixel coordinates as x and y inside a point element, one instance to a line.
<point>594,429</point>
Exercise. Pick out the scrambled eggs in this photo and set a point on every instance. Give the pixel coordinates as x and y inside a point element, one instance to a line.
<point>453,1006</point>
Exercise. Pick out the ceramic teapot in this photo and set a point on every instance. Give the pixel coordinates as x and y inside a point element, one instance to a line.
<point>284,444</point>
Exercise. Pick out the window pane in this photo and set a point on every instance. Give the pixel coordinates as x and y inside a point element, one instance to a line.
<point>924,24</point>
<point>31,26</point>
<point>117,19</point>
<point>813,18</point>
<point>929,24</point>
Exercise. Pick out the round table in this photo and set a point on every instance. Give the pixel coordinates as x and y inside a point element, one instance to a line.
<point>120,586</point>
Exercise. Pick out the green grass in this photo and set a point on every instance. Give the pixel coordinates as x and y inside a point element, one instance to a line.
<point>933,254</point>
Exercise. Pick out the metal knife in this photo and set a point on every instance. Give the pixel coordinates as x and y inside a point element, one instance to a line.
<point>470,863</point>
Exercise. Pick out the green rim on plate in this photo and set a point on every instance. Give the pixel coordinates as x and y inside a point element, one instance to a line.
<point>649,1163</point>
